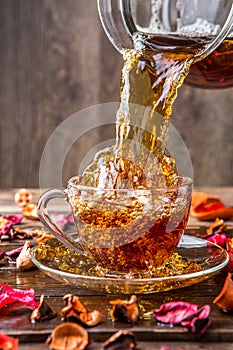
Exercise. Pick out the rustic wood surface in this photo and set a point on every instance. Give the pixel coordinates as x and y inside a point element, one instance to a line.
<point>56,60</point>
<point>149,335</point>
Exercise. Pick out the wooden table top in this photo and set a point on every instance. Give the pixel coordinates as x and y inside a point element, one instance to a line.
<point>149,335</point>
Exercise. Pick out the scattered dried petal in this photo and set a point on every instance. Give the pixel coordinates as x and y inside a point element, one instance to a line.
<point>13,254</point>
<point>217,238</point>
<point>196,325</point>
<point>2,254</point>
<point>125,310</point>
<point>208,207</point>
<point>8,343</point>
<point>9,295</point>
<point>30,211</point>
<point>122,340</point>
<point>75,310</point>
<point>6,224</point>
<point>224,300</point>
<point>43,312</point>
<point>43,236</point>
<point>185,314</point>
<point>23,197</point>
<point>63,221</point>
<point>229,249</point>
<point>217,227</point>
<point>24,261</point>
<point>68,336</point>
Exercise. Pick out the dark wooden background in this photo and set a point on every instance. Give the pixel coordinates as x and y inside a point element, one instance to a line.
<point>55,60</point>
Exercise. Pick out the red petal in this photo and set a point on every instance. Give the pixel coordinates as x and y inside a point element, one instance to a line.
<point>8,343</point>
<point>175,312</point>
<point>10,295</point>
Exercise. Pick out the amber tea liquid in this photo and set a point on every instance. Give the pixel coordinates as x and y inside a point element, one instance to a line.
<point>216,70</point>
<point>133,237</point>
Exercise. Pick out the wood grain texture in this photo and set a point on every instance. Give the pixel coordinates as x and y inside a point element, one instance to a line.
<point>55,60</point>
<point>149,334</point>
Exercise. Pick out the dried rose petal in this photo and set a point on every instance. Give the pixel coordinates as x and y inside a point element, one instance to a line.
<point>175,312</point>
<point>2,254</point>
<point>217,238</point>
<point>224,300</point>
<point>14,219</point>
<point>199,323</point>
<point>68,336</point>
<point>122,340</point>
<point>125,310</point>
<point>43,312</point>
<point>6,223</point>
<point>9,295</point>
<point>8,343</point>
<point>185,314</point>
<point>62,220</point>
<point>196,325</point>
<point>13,254</point>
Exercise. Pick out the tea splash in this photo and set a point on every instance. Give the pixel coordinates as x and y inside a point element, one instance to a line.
<point>151,75</point>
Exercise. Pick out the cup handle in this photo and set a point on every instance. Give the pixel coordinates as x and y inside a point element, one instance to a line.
<point>48,223</point>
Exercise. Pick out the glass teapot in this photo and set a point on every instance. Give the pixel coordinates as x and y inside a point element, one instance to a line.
<point>208,21</point>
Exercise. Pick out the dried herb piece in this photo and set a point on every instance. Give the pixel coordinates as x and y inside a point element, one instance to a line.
<point>125,310</point>
<point>16,297</point>
<point>122,340</point>
<point>42,312</point>
<point>8,343</point>
<point>190,316</point>
<point>75,310</point>
<point>68,336</point>
<point>224,300</point>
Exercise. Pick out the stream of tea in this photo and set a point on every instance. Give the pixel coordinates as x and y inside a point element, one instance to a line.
<point>151,76</point>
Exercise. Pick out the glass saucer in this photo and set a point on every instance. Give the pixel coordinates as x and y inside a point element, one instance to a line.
<point>195,260</point>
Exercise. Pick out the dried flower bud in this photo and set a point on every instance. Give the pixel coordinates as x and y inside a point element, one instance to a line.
<point>68,336</point>
<point>43,312</point>
<point>125,310</point>
<point>23,197</point>
<point>24,261</point>
<point>122,340</point>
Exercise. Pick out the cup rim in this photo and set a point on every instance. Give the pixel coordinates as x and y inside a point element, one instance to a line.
<point>186,183</point>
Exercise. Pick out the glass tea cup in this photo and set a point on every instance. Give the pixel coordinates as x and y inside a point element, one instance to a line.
<point>196,24</point>
<point>127,232</point>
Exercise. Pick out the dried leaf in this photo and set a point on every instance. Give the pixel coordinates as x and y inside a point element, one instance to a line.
<point>125,310</point>
<point>68,336</point>
<point>224,300</point>
<point>43,312</point>
<point>122,340</point>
